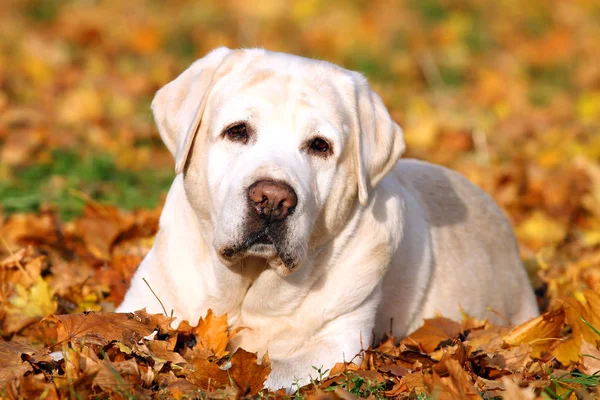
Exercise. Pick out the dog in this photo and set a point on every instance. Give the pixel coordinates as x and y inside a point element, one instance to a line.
<point>292,213</point>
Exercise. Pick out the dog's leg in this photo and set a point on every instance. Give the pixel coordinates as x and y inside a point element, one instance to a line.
<point>341,339</point>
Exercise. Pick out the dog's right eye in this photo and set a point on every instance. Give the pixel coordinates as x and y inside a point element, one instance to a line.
<point>237,133</point>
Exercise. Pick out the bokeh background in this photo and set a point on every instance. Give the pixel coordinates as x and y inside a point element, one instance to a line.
<point>506,92</point>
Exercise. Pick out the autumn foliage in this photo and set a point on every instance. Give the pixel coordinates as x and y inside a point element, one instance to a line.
<point>506,92</point>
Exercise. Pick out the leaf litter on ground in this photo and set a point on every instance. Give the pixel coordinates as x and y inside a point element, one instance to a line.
<point>501,102</point>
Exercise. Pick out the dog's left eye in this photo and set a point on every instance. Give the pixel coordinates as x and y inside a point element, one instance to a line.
<point>319,146</point>
<point>237,133</point>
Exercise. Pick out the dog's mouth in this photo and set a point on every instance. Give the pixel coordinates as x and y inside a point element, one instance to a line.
<point>266,243</point>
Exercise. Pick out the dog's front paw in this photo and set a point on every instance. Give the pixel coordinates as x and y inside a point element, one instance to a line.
<point>285,376</point>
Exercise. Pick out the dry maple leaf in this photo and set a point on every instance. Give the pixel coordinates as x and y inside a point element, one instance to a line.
<point>207,375</point>
<point>113,377</point>
<point>457,385</point>
<point>27,305</point>
<point>577,310</point>
<point>25,296</point>
<point>33,386</point>
<point>434,331</point>
<point>248,375</point>
<point>12,364</point>
<point>22,229</point>
<point>99,228</point>
<point>182,389</point>
<point>540,332</point>
<point>212,334</point>
<point>513,359</point>
<point>102,328</point>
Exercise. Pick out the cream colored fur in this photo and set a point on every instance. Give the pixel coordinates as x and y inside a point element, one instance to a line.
<point>372,239</point>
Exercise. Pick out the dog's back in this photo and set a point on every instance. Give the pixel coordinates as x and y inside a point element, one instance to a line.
<point>467,245</point>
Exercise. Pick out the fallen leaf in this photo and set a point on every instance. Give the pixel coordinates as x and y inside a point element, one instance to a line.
<point>586,307</point>
<point>457,385</point>
<point>12,365</point>
<point>540,332</point>
<point>433,332</point>
<point>207,375</point>
<point>212,334</point>
<point>37,386</point>
<point>102,328</point>
<point>27,305</point>
<point>99,227</point>
<point>248,375</point>
<point>590,359</point>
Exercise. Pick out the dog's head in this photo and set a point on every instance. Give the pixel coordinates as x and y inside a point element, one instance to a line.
<point>275,149</point>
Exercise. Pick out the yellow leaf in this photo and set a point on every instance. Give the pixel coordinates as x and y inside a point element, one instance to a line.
<point>588,106</point>
<point>586,307</point>
<point>540,332</point>
<point>28,305</point>
<point>540,230</point>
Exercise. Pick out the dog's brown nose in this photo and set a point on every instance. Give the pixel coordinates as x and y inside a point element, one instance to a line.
<point>272,200</point>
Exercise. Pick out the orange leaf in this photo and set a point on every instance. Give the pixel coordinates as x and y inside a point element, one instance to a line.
<point>248,375</point>
<point>212,334</point>
<point>540,332</point>
<point>434,331</point>
<point>207,375</point>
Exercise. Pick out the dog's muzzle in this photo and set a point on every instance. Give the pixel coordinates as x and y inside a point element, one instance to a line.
<point>270,203</point>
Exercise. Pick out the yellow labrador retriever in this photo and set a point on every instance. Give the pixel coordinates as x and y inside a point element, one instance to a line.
<point>291,213</point>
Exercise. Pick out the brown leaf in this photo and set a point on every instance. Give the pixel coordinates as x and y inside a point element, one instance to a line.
<point>394,369</point>
<point>457,385</point>
<point>207,375</point>
<point>340,368</point>
<point>182,389</point>
<point>412,356</point>
<point>434,331</point>
<point>12,365</point>
<point>590,359</point>
<point>22,229</point>
<point>248,375</point>
<point>99,228</point>
<point>117,377</point>
<point>21,268</point>
<point>37,387</point>
<point>514,359</point>
<point>164,351</point>
<point>414,382</point>
<point>102,328</point>
<point>81,368</point>
<point>396,390</point>
<point>460,354</point>
<point>343,394</point>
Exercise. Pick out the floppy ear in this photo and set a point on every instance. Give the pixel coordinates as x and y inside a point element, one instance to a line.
<point>379,141</point>
<point>178,106</point>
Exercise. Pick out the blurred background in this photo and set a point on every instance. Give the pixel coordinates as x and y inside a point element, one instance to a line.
<point>506,92</point>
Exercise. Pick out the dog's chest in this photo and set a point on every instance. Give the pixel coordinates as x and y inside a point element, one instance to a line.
<point>270,296</point>
<point>267,311</point>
